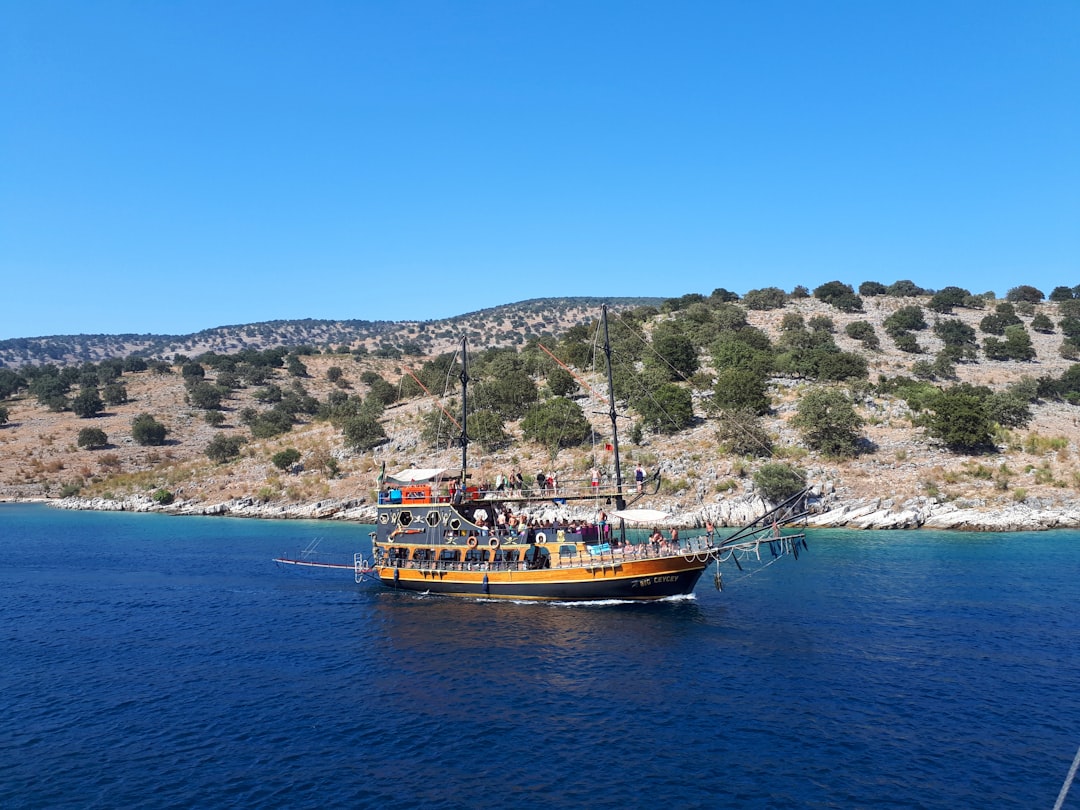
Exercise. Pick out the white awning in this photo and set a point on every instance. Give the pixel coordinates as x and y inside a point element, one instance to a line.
<point>641,515</point>
<point>413,474</point>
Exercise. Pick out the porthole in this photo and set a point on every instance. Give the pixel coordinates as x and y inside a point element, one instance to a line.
<point>455,524</point>
<point>404,517</point>
<point>433,519</point>
<point>384,518</point>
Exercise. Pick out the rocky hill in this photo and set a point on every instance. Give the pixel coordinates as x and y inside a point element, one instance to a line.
<point>900,477</point>
<point>506,325</point>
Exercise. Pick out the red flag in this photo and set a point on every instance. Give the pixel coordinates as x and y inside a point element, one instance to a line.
<point>609,447</point>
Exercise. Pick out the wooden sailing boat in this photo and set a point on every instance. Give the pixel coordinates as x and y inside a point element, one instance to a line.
<point>438,534</point>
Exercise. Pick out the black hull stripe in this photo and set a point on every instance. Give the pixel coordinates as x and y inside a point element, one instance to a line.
<point>656,586</point>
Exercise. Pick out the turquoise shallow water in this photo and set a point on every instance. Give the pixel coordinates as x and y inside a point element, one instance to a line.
<point>167,662</point>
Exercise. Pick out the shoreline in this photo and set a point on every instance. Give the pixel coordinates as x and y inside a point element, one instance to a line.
<point>874,514</point>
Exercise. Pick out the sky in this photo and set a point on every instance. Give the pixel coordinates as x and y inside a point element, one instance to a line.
<point>169,167</point>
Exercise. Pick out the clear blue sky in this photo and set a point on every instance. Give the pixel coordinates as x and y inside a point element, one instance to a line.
<point>172,166</point>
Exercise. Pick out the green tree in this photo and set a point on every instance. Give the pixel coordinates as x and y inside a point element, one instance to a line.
<point>944,300</point>
<point>905,319</point>
<point>87,403</point>
<point>296,367</point>
<point>839,295</point>
<point>1025,292</point>
<point>559,422</point>
<point>147,431</point>
<point>271,422</point>
<point>11,382</point>
<point>334,373</point>
<point>778,482</point>
<point>224,448</point>
<point>673,352</point>
<point>828,422</point>
<point>115,393</point>
<point>959,338</point>
<point>506,389</point>
<point>362,432</point>
<point>905,288</point>
<point>765,298</point>
<point>51,391</point>
<point>92,438</point>
<point>668,409</point>
<point>959,419</point>
<point>871,288</point>
<point>487,429</point>
<point>560,382</point>
<point>192,371</point>
<point>1041,323</point>
<point>214,418</point>
<point>863,331</point>
<point>742,433</point>
<point>204,395</point>
<point>283,459</point>
<point>739,389</point>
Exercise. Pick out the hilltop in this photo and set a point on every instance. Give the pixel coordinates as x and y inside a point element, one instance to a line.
<point>506,325</point>
<point>1026,476</point>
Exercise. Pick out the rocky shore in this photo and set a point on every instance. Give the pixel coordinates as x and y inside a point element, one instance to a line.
<point>826,512</point>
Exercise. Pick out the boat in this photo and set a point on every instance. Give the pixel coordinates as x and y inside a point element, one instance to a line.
<point>439,533</point>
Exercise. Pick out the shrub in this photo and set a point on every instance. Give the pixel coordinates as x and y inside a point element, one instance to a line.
<point>224,448</point>
<point>87,403</point>
<point>92,439</point>
<point>1025,292</point>
<point>162,497</point>
<point>362,432</point>
<point>766,298</point>
<point>828,422</point>
<point>778,482</point>
<point>284,459</point>
<point>147,431</point>
<point>556,423</point>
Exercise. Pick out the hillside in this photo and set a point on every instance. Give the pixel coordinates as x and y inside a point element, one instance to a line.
<point>898,472</point>
<point>506,325</point>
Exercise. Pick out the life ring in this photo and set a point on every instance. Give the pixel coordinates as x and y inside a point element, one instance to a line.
<point>494,542</point>
<point>472,541</point>
<point>541,538</point>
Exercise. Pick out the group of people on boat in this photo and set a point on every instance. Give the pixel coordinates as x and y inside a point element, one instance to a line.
<point>506,524</point>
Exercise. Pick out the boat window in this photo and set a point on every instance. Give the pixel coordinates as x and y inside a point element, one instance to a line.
<point>404,517</point>
<point>476,555</point>
<point>567,551</point>
<point>383,518</point>
<point>449,555</point>
<point>537,557</point>
<point>433,518</point>
<point>423,554</point>
<point>455,524</point>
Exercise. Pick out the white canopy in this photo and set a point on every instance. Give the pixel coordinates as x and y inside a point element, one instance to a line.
<point>414,474</point>
<point>641,515</point>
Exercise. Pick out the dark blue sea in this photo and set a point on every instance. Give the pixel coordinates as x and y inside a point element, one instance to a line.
<point>157,662</point>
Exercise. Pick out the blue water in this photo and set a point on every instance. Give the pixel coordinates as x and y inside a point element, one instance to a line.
<point>155,662</point>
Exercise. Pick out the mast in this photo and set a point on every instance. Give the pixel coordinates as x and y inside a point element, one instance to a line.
<point>620,502</point>
<point>464,414</point>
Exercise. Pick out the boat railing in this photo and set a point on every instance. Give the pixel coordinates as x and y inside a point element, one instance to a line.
<point>604,555</point>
